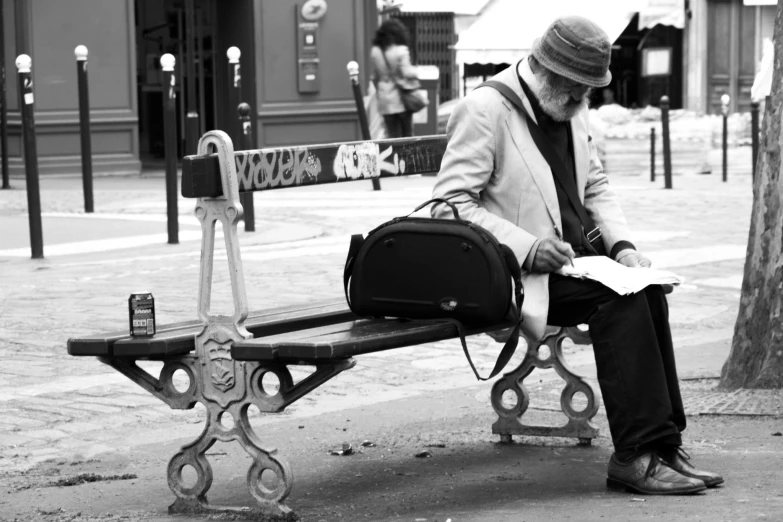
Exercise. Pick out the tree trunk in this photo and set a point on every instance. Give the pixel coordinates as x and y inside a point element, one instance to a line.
<point>756,357</point>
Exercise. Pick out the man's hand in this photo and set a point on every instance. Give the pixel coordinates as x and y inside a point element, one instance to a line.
<point>632,258</point>
<point>551,255</point>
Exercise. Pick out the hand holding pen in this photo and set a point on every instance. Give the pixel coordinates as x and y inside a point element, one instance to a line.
<point>553,254</point>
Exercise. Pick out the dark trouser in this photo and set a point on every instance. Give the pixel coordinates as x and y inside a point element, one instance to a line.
<point>634,356</point>
<point>399,125</point>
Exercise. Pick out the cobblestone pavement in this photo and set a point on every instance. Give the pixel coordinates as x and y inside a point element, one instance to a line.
<point>56,406</point>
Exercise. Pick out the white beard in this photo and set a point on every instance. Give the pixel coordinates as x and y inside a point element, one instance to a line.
<point>559,105</point>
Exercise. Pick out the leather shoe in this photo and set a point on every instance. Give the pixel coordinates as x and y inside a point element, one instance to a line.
<point>678,460</point>
<point>650,475</point>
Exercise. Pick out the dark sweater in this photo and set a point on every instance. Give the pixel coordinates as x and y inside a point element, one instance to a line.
<point>559,134</point>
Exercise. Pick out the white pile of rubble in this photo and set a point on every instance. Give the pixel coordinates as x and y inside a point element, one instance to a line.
<point>617,122</point>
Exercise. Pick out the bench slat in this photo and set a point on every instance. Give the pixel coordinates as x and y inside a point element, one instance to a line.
<point>179,338</point>
<point>282,167</point>
<point>346,339</point>
<point>101,344</point>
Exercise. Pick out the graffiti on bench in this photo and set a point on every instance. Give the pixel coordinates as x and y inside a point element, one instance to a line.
<point>288,167</point>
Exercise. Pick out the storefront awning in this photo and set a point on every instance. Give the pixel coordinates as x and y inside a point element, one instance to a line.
<point>663,12</point>
<point>506,29</point>
<point>458,7</point>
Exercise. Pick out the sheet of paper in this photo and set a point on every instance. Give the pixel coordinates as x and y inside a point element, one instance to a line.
<point>620,278</point>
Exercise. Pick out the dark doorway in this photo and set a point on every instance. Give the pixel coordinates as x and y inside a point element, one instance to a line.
<point>483,71</point>
<point>629,87</point>
<point>162,27</point>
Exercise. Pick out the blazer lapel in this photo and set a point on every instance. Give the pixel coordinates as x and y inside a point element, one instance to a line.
<point>580,136</point>
<point>520,135</point>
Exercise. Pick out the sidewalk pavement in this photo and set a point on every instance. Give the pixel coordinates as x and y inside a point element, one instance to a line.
<point>69,418</point>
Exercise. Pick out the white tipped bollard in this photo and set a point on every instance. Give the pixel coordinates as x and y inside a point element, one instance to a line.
<point>24,63</point>
<point>353,70</point>
<point>233,54</point>
<point>167,62</point>
<point>80,52</point>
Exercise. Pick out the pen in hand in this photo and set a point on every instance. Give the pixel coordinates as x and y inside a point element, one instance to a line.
<point>560,238</point>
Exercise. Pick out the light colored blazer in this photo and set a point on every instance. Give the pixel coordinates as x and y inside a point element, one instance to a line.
<point>498,179</point>
<point>388,92</point>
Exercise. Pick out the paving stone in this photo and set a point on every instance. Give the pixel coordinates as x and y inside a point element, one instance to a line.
<point>98,408</point>
<point>45,434</point>
<point>7,439</point>
<point>52,415</point>
<point>44,401</point>
<point>21,422</point>
<point>81,427</point>
<point>122,401</point>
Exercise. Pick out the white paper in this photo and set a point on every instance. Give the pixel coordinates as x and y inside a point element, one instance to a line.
<point>620,278</point>
<point>28,98</point>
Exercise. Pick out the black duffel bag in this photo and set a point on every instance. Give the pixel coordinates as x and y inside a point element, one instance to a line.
<point>436,269</point>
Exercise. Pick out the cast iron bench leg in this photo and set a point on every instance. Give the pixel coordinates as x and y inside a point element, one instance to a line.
<point>227,389</point>
<point>510,416</point>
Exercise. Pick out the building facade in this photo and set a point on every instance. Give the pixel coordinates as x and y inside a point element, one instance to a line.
<point>723,44</point>
<point>292,73</point>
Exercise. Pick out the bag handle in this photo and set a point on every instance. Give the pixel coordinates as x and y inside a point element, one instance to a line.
<point>438,200</point>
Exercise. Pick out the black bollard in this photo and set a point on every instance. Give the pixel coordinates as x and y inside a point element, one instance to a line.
<point>234,91</point>
<point>358,98</point>
<point>191,116</point>
<point>24,66</point>
<point>84,125</point>
<point>652,153</point>
<point>667,153</point>
<point>724,109</point>
<point>754,134</point>
<point>167,62</point>
<point>191,133</point>
<point>3,107</point>
<point>247,144</point>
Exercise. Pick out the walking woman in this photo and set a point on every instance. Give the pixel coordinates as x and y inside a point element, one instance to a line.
<point>392,71</point>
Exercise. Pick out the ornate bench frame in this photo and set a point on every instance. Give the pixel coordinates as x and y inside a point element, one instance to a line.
<point>227,387</point>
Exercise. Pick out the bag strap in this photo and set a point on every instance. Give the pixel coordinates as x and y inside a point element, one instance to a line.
<point>505,353</point>
<point>356,243</point>
<point>513,341</point>
<point>551,157</point>
<point>392,75</point>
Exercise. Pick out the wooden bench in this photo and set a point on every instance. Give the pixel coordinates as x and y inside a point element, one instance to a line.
<point>227,356</point>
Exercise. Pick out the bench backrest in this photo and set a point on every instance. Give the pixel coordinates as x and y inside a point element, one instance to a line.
<point>314,164</point>
<point>217,174</point>
<point>217,179</point>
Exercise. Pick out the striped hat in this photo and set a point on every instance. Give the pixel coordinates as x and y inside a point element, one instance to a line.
<point>576,48</point>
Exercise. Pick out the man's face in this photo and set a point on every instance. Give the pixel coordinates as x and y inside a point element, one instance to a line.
<point>561,98</point>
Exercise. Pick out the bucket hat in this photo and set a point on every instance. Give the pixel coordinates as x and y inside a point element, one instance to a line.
<point>576,48</point>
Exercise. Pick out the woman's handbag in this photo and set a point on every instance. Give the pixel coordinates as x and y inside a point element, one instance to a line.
<point>436,269</point>
<point>413,100</point>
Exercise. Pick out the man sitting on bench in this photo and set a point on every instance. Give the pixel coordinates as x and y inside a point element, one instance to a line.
<point>520,162</point>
